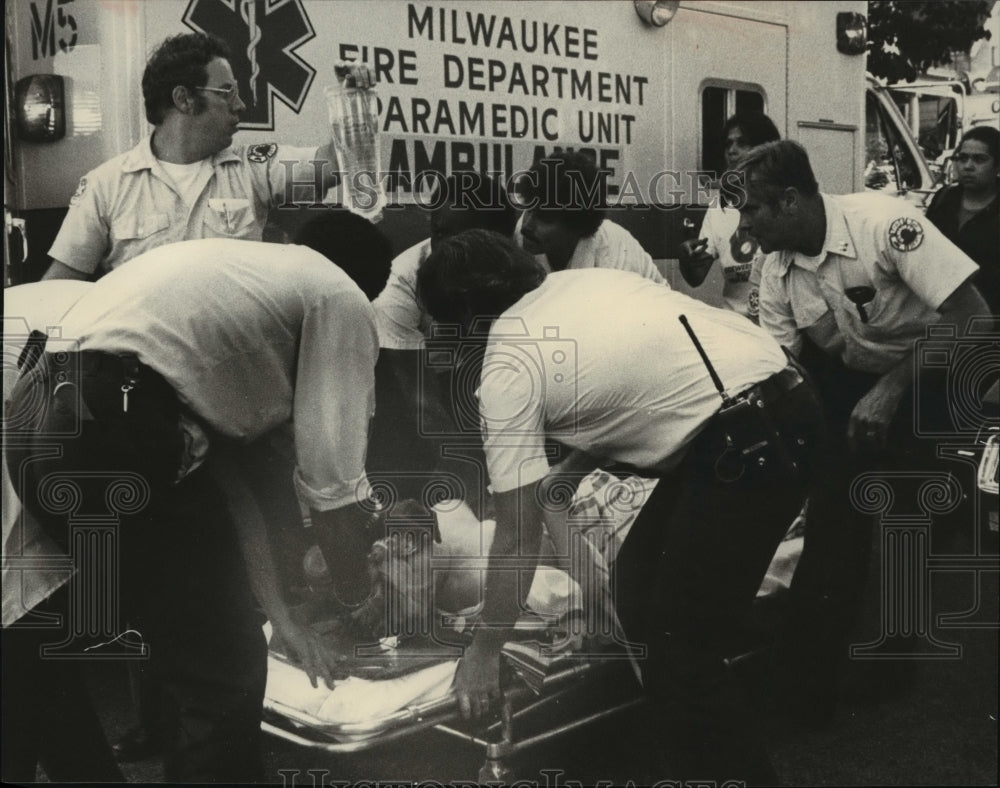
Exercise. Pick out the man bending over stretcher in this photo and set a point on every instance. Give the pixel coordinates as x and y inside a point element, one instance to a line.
<point>598,360</point>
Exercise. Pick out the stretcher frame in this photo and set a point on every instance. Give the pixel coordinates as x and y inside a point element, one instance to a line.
<point>500,739</point>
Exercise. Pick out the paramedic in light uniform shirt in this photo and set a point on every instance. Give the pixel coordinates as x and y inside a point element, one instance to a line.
<point>599,361</point>
<point>462,201</point>
<point>564,226</point>
<point>411,409</point>
<point>853,284</point>
<point>184,181</point>
<point>188,355</point>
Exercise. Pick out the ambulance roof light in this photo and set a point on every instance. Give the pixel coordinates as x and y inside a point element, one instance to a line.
<point>656,12</point>
<point>852,33</point>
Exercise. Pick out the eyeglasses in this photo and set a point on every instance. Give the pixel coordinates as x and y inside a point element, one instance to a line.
<point>231,93</point>
<point>975,158</point>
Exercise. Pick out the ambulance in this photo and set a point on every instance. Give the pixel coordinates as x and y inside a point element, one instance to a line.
<point>940,112</point>
<point>644,86</point>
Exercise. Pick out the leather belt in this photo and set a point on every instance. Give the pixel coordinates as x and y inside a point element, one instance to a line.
<point>774,387</point>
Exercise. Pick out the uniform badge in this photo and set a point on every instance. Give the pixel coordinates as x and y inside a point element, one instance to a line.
<point>80,189</point>
<point>905,234</point>
<point>259,154</point>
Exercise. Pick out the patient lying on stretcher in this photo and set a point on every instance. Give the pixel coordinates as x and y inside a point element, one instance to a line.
<point>401,646</point>
<point>426,582</point>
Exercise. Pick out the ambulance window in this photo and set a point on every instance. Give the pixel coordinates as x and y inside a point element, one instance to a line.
<point>718,103</point>
<point>939,125</point>
<point>936,120</point>
<point>889,163</point>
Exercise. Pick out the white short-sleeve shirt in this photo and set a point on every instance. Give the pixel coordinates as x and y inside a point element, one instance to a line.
<point>872,241</point>
<point>612,246</point>
<point>598,360</point>
<point>739,255</point>
<point>251,335</point>
<point>402,322</point>
<point>130,204</point>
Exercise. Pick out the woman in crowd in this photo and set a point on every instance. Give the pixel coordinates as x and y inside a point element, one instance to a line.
<point>967,211</point>
<point>720,237</point>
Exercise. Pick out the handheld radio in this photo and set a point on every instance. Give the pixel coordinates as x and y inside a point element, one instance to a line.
<point>742,420</point>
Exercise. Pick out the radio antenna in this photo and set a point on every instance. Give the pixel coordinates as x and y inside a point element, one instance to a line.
<point>726,399</point>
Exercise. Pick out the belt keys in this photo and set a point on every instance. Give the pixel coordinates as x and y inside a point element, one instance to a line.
<point>130,377</point>
<point>127,386</point>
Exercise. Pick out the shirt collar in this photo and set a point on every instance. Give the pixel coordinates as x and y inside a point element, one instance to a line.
<point>838,239</point>
<point>141,157</point>
<point>838,234</point>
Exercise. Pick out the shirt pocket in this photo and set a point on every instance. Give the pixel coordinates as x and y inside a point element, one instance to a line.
<point>880,315</point>
<point>230,218</point>
<point>139,227</point>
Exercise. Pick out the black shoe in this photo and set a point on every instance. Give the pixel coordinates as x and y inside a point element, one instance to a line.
<point>136,745</point>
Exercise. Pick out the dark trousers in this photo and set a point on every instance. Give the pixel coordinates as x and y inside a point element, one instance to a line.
<point>48,717</point>
<point>269,464</point>
<point>179,568</point>
<point>831,587</point>
<point>686,577</point>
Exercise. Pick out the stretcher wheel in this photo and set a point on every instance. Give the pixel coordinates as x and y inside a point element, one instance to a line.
<point>494,771</point>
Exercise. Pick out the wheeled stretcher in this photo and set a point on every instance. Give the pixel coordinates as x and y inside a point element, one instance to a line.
<point>529,695</point>
<point>552,682</point>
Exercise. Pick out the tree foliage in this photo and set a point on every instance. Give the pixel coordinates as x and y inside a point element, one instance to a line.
<point>906,37</point>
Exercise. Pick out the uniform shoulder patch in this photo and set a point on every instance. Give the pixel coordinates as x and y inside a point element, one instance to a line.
<point>905,234</point>
<point>260,153</point>
<point>80,189</point>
